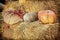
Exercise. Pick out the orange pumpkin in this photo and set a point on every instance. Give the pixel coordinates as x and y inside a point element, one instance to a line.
<point>47,16</point>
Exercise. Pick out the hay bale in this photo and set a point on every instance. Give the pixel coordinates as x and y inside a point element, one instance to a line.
<point>11,30</point>
<point>34,5</point>
<point>39,5</point>
<point>33,30</point>
<point>40,31</point>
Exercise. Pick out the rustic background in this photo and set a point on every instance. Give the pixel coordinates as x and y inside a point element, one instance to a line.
<point>58,7</point>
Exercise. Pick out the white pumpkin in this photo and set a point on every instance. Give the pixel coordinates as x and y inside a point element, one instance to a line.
<point>29,17</point>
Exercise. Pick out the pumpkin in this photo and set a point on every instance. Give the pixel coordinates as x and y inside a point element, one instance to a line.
<point>30,17</point>
<point>47,16</point>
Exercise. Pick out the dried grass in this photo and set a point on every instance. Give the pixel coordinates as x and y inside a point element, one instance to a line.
<point>34,30</point>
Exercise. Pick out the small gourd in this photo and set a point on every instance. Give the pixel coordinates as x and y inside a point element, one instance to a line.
<point>30,17</point>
